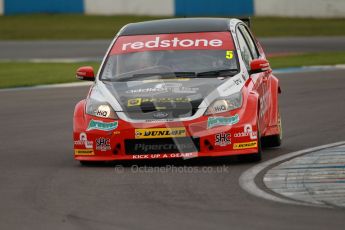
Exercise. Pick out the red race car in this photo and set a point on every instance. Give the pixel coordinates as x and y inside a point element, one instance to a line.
<point>179,88</point>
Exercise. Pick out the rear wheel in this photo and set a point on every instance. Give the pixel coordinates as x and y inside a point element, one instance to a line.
<point>274,140</point>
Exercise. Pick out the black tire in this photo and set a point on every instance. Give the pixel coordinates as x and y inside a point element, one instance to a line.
<point>255,157</point>
<point>274,140</point>
<point>89,163</point>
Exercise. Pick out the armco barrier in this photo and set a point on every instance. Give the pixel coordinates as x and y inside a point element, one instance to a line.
<point>1,7</point>
<point>137,7</point>
<point>301,8</point>
<point>214,7</point>
<point>43,6</point>
<point>287,8</point>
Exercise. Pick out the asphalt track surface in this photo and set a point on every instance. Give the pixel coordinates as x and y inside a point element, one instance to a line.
<point>42,187</point>
<point>11,50</point>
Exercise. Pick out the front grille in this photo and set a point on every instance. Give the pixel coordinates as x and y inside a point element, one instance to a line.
<point>175,110</point>
<point>162,145</point>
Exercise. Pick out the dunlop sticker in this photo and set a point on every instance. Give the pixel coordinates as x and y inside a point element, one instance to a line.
<point>160,133</point>
<point>84,152</point>
<point>245,145</point>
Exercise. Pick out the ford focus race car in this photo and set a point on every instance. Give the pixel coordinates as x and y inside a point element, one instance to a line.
<point>179,88</point>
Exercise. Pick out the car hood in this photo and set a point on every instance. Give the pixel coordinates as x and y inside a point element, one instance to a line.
<point>178,97</point>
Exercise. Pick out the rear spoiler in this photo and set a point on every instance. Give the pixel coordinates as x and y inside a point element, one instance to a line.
<point>246,21</point>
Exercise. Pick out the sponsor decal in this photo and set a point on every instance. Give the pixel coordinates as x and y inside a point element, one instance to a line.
<point>238,81</point>
<point>83,141</point>
<point>219,121</point>
<point>134,102</point>
<point>245,145</point>
<point>160,133</point>
<point>100,125</point>
<point>103,111</point>
<point>146,90</point>
<point>222,139</point>
<point>160,114</point>
<point>164,88</point>
<point>158,120</point>
<point>176,88</point>
<point>139,101</point>
<point>84,152</point>
<point>181,41</point>
<point>167,155</point>
<point>103,144</point>
<point>229,54</point>
<point>247,131</point>
<point>162,147</point>
<point>220,108</point>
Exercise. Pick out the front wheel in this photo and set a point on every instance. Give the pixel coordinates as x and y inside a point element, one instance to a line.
<point>254,157</point>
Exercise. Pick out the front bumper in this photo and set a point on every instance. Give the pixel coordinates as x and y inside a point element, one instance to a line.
<point>132,141</point>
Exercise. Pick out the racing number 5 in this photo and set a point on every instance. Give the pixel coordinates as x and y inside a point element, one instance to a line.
<point>229,54</point>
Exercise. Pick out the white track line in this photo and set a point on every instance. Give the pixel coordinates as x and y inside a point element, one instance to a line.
<point>76,84</point>
<point>247,179</point>
<point>51,86</point>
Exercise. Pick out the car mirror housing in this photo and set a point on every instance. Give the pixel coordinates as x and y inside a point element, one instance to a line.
<point>259,66</point>
<point>85,73</point>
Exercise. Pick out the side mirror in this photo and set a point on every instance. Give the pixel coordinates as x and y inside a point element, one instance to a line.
<point>85,73</point>
<point>259,66</point>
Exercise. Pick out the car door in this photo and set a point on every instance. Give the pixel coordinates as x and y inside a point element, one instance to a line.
<point>249,52</point>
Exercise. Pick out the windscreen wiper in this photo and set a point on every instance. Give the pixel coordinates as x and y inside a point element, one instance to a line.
<point>163,75</point>
<point>218,73</point>
<point>167,74</point>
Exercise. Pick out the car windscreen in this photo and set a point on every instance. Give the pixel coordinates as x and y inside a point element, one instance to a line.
<point>208,54</point>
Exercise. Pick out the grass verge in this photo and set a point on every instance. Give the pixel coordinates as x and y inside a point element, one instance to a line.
<point>15,74</point>
<point>307,59</point>
<point>43,27</point>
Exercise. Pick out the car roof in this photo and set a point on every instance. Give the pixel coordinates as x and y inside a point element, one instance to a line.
<point>176,25</point>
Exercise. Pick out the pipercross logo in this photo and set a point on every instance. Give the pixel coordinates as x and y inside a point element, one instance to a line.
<point>162,147</point>
<point>183,41</point>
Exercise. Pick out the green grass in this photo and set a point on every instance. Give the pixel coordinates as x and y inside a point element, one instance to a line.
<point>15,74</point>
<point>290,27</point>
<point>323,58</point>
<point>41,26</point>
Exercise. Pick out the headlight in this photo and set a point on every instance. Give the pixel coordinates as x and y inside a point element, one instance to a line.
<point>100,109</point>
<point>229,103</point>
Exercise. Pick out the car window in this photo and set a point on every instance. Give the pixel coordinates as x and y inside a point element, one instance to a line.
<point>245,51</point>
<point>136,57</point>
<point>250,41</point>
